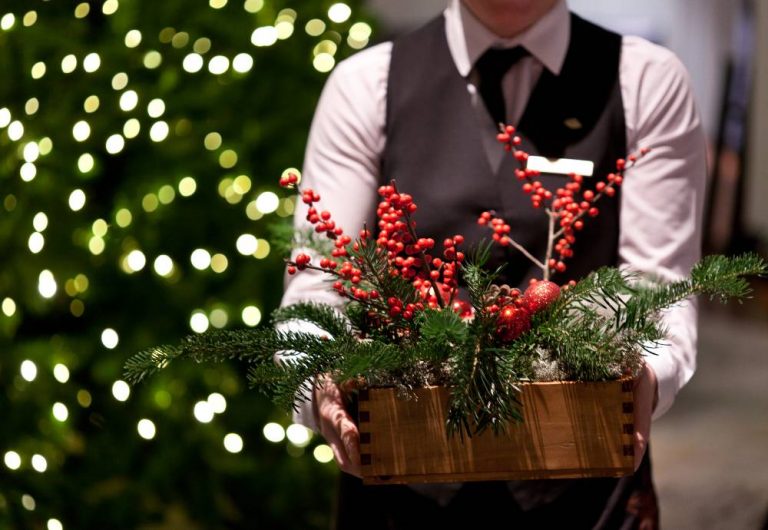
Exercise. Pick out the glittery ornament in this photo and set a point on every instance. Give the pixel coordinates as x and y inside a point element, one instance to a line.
<point>512,322</point>
<point>540,295</point>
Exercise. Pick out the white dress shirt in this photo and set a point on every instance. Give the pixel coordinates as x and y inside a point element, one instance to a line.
<point>661,200</point>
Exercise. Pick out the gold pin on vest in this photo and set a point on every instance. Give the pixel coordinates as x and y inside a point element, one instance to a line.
<point>573,123</point>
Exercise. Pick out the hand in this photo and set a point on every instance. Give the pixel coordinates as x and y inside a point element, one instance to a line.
<point>337,426</point>
<point>645,402</point>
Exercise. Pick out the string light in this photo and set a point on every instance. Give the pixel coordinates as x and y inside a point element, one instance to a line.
<point>218,318</point>
<point>128,100</point>
<point>5,117</point>
<point>217,4</point>
<point>31,151</point>
<point>115,144</point>
<point>45,146</point>
<point>119,81</point>
<point>152,59</point>
<point>8,306</point>
<point>76,200</point>
<point>61,373</point>
<point>323,62</point>
<point>217,402</point>
<point>253,6</point>
<point>163,265</point>
<point>323,453</point>
<point>31,106</point>
<point>233,443</point>
<point>228,159</point>
<point>314,27</point>
<point>133,38</point>
<point>198,322</point>
<point>85,163</point>
<point>28,502</point>
<point>40,221</point>
<point>131,128</point>
<point>135,260</point>
<point>187,186</point>
<point>246,244</point>
<point>84,398</point>
<point>15,130</point>
<point>60,411</point>
<point>200,258</point>
<point>99,227</point>
<point>91,62</point>
<point>81,131</point>
<point>202,45</point>
<point>218,65</point>
<point>159,131</point>
<point>180,40</point>
<point>54,524</point>
<point>121,391</point>
<point>298,435</point>
<point>264,36</point>
<point>69,63</point>
<point>91,103</point>
<point>146,429</point>
<point>82,10</point>
<point>110,338</point>
<point>36,242</point>
<point>29,18</point>
<point>46,284</point>
<point>166,194</point>
<point>28,171</point>
<point>39,463</point>
<point>242,63</point>
<point>339,12</point>
<point>251,315</point>
<point>219,264</point>
<point>150,202</point>
<point>274,432</point>
<point>7,21</point>
<point>38,70</point>
<point>110,7</point>
<point>192,63</point>
<point>267,202</point>
<point>203,412</point>
<point>212,141</point>
<point>28,370</point>
<point>156,108</point>
<point>12,460</point>
<point>123,217</point>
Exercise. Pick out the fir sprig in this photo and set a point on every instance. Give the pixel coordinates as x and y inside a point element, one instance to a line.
<point>595,330</point>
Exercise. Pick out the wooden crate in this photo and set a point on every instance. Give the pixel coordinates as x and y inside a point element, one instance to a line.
<point>571,430</point>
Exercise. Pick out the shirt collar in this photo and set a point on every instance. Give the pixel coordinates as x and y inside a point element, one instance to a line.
<point>546,40</point>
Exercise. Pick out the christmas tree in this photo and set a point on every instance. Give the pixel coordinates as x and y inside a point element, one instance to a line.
<point>140,147</point>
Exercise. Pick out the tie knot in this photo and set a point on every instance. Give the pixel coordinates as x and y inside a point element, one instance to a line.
<point>495,62</point>
<point>491,67</point>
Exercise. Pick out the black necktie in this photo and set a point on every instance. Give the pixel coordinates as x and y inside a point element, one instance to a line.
<point>491,67</point>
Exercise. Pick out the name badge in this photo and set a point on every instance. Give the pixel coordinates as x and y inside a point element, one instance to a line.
<point>561,166</point>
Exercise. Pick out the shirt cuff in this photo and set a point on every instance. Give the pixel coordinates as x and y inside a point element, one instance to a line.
<point>304,411</point>
<point>666,369</point>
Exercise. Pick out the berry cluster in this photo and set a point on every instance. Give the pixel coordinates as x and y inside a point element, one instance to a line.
<point>433,277</point>
<point>566,207</point>
<point>409,256</point>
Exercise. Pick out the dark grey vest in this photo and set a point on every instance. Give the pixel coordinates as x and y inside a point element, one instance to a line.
<point>434,145</point>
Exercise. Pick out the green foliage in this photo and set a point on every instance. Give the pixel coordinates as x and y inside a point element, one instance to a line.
<point>233,134</point>
<point>595,331</point>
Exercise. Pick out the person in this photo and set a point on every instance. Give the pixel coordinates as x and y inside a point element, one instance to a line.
<point>424,111</point>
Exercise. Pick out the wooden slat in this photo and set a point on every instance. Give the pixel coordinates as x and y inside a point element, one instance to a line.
<point>570,430</point>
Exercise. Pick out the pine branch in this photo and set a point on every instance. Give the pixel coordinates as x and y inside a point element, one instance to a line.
<point>322,315</point>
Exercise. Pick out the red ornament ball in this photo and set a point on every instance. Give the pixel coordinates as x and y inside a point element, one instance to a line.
<point>511,322</point>
<point>540,295</point>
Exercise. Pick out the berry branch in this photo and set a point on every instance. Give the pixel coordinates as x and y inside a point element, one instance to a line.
<point>565,208</point>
